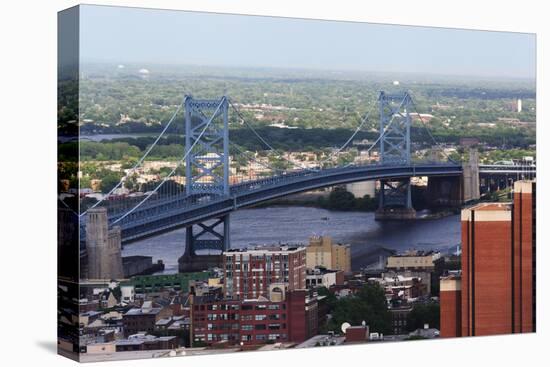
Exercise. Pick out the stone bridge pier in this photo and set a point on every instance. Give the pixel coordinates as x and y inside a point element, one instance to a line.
<point>455,191</point>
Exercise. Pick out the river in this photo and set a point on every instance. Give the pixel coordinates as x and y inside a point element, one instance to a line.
<point>294,224</point>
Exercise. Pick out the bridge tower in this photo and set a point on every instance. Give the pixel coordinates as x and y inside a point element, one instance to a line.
<point>395,149</point>
<point>207,177</point>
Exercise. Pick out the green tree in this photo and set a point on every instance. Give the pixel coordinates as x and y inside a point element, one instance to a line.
<point>368,304</point>
<point>423,314</point>
<point>340,199</point>
<point>109,181</point>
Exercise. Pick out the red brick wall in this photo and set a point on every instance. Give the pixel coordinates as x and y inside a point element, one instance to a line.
<point>293,262</point>
<point>357,334</point>
<point>297,323</point>
<point>486,278</point>
<point>450,316</point>
<point>523,262</point>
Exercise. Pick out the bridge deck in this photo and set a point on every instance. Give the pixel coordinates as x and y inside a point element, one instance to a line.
<point>165,214</point>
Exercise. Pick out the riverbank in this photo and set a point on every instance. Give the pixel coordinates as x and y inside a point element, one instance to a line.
<point>346,203</point>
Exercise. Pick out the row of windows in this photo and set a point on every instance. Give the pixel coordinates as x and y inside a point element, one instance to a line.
<point>246,257</point>
<point>275,316</point>
<point>215,307</point>
<point>262,327</point>
<point>223,316</point>
<point>212,337</point>
<point>263,307</point>
<point>263,337</point>
<point>224,307</point>
<point>223,327</point>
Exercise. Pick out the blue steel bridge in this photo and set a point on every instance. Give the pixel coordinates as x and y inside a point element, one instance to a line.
<point>203,202</point>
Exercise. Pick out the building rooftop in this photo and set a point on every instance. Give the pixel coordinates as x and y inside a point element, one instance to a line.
<point>488,212</point>
<point>264,249</point>
<point>416,253</point>
<point>143,311</point>
<point>524,186</point>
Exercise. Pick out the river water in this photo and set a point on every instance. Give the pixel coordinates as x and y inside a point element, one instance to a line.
<point>280,224</point>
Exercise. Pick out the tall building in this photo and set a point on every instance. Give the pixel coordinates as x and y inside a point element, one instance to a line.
<point>321,252</point>
<point>497,285</point>
<point>487,269</point>
<point>249,273</point>
<point>103,247</point>
<point>524,257</point>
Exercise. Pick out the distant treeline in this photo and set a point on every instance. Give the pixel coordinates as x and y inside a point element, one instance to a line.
<point>295,140</point>
<point>480,93</point>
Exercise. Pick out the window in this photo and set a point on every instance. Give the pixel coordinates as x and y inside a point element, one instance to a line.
<point>246,327</point>
<point>260,317</point>
<point>260,327</point>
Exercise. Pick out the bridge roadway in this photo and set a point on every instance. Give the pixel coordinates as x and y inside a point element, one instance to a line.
<point>501,169</point>
<point>166,214</point>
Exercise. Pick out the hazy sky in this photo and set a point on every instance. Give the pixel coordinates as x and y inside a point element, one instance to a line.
<point>124,35</point>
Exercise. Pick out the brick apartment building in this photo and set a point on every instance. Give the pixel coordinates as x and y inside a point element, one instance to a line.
<point>248,274</point>
<point>497,285</point>
<point>284,316</point>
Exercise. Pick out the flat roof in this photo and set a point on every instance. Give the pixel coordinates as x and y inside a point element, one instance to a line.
<point>488,212</point>
<point>142,311</point>
<point>264,250</point>
<point>524,186</point>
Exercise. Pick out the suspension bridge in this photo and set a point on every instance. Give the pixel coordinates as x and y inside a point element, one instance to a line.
<point>204,187</point>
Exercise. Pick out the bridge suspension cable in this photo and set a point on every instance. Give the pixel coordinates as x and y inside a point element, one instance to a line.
<point>430,133</point>
<point>363,121</point>
<point>264,141</point>
<point>252,158</point>
<point>260,137</point>
<point>357,130</point>
<point>155,190</point>
<point>140,161</point>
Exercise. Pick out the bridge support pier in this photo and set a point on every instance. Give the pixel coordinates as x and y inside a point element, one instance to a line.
<point>470,178</point>
<point>444,192</point>
<point>395,202</point>
<point>205,236</point>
